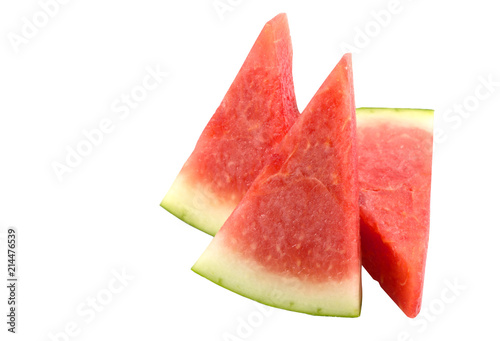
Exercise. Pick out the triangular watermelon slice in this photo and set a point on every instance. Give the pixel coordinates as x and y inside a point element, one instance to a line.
<point>293,241</point>
<point>255,114</point>
<point>395,164</point>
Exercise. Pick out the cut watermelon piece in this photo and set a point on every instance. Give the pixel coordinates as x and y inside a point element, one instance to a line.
<point>254,116</point>
<point>293,241</point>
<point>395,161</point>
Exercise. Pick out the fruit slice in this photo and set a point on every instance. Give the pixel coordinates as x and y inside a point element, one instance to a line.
<point>395,161</point>
<point>293,241</point>
<point>255,114</point>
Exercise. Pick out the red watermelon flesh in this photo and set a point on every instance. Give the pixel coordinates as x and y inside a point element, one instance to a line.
<point>395,164</point>
<point>257,111</point>
<point>293,241</point>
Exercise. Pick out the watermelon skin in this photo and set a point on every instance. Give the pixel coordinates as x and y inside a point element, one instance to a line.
<point>255,114</point>
<point>395,165</point>
<point>293,242</point>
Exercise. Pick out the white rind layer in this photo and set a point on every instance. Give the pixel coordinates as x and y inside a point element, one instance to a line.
<point>196,205</point>
<point>419,118</point>
<point>220,264</point>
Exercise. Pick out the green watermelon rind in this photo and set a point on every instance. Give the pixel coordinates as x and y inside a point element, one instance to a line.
<point>196,205</point>
<point>227,269</point>
<point>419,118</point>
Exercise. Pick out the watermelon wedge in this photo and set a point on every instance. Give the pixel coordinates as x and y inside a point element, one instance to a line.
<point>257,111</point>
<point>395,164</point>
<point>293,241</point>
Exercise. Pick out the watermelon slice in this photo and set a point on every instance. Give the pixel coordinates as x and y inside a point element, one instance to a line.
<point>254,116</point>
<point>395,161</point>
<point>293,241</point>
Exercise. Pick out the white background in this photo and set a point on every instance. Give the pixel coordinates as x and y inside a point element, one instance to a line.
<point>104,215</point>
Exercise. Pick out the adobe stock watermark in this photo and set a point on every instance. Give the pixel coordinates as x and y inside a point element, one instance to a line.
<point>34,23</point>
<point>380,20</point>
<point>121,107</point>
<point>246,326</point>
<point>222,7</point>
<point>451,291</point>
<point>88,310</point>
<point>456,114</point>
